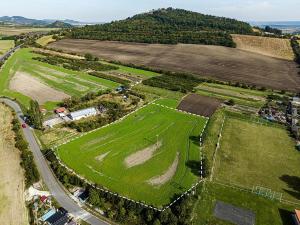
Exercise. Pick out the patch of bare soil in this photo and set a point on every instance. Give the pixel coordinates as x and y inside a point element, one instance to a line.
<point>142,156</point>
<point>199,105</point>
<point>102,156</point>
<point>164,178</point>
<point>12,198</point>
<point>35,89</point>
<point>217,62</point>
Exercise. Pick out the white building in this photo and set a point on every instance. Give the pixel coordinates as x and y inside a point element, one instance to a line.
<point>83,113</point>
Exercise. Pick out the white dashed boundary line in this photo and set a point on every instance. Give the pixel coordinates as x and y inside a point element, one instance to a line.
<point>189,191</point>
<point>216,150</point>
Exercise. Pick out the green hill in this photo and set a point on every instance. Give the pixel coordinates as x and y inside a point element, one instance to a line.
<point>59,24</point>
<point>168,26</point>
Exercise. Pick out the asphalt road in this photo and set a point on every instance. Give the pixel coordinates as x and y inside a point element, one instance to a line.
<point>7,54</point>
<point>48,177</point>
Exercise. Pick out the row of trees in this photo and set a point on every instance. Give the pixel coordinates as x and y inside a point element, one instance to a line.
<point>27,161</point>
<point>35,117</point>
<point>296,48</point>
<point>110,77</point>
<point>168,26</point>
<point>74,64</point>
<point>174,82</point>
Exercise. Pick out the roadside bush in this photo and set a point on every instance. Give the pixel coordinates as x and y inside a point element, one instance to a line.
<point>27,161</point>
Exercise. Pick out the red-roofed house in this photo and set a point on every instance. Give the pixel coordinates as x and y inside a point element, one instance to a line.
<point>60,110</point>
<point>43,198</point>
<point>297,217</point>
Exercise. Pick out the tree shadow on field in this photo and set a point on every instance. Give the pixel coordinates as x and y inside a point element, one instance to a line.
<point>195,139</point>
<point>293,183</point>
<point>286,216</point>
<point>195,167</point>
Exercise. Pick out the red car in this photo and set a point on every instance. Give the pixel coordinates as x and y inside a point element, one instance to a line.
<point>24,125</point>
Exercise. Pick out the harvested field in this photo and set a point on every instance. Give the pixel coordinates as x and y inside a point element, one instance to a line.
<point>6,45</point>
<point>200,105</point>
<point>162,179</point>
<point>274,47</point>
<point>35,89</point>
<point>142,156</point>
<point>216,62</point>
<point>12,200</point>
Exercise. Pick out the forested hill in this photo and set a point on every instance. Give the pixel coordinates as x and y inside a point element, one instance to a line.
<point>168,26</point>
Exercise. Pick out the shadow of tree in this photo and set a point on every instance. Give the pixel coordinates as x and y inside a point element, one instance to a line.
<point>293,182</point>
<point>195,139</point>
<point>286,217</point>
<point>195,166</point>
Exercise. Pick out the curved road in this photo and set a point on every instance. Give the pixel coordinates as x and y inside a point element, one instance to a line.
<point>53,185</point>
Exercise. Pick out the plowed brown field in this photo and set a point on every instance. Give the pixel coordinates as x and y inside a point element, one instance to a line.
<point>221,63</point>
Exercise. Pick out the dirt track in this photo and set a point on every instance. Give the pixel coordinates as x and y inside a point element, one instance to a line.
<point>217,62</point>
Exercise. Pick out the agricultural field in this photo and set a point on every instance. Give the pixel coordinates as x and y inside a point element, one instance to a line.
<point>140,156</point>
<point>220,63</point>
<point>43,41</point>
<point>24,78</point>
<point>266,211</point>
<point>274,47</point>
<point>199,105</point>
<point>5,46</point>
<point>12,200</point>
<point>10,30</point>
<point>241,96</point>
<point>255,154</point>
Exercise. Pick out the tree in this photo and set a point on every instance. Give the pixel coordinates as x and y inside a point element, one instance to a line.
<point>35,115</point>
<point>89,57</point>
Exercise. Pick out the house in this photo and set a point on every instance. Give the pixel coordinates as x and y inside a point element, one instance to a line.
<point>83,113</point>
<point>48,214</point>
<point>59,218</point>
<point>60,110</point>
<point>43,199</point>
<point>296,217</point>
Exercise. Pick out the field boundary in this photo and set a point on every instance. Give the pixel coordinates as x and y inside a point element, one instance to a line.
<point>216,150</point>
<point>187,192</point>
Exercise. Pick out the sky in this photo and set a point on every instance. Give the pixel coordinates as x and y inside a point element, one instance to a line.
<point>108,10</point>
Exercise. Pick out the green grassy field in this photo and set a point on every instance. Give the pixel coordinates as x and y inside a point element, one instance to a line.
<point>5,45</point>
<point>142,74</point>
<point>266,211</point>
<point>70,82</point>
<point>43,41</point>
<point>252,154</point>
<point>241,96</point>
<point>169,102</point>
<point>173,134</point>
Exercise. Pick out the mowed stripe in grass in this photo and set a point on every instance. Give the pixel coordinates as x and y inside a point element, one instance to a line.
<point>71,82</point>
<point>252,154</point>
<point>175,132</point>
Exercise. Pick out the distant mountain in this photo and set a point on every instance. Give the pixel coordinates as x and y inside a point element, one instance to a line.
<point>19,20</point>
<point>59,24</point>
<point>286,26</point>
<point>168,26</point>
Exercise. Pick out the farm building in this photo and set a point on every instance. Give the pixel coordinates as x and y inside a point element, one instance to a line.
<point>77,115</point>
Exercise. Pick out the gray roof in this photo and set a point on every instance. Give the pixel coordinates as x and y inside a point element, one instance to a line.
<point>83,112</point>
